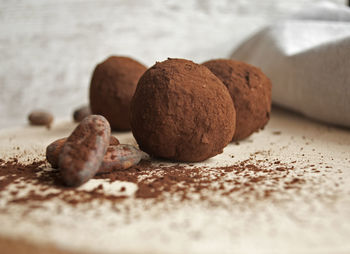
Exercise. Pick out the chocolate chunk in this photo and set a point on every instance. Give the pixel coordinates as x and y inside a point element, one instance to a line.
<point>113,141</point>
<point>120,157</point>
<point>54,149</point>
<point>82,153</point>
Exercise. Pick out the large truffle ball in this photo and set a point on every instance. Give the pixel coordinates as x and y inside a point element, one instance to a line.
<point>250,90</point>
<point>181,111</point>
<point>112,86</point>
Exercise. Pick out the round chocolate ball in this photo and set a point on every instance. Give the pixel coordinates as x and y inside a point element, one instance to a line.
<point>250,90</point>
<point>112,86</point>
<point>181,111</point>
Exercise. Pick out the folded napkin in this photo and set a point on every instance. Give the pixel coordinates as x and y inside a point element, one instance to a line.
<point>307,58</point>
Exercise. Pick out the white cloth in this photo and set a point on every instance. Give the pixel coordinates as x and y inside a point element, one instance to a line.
<point>307,58</point>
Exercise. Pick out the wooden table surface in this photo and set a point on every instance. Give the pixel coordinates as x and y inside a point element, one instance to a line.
<point>310,216</point>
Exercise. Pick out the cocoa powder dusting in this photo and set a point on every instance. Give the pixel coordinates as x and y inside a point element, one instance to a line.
<point>252,180</point>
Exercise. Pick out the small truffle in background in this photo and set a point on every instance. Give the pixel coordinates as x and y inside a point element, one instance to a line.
<point>40,118</point>
<point>182,111</point>
<point>112,86</point>
<point>80,113</point>
<point>250,90</point>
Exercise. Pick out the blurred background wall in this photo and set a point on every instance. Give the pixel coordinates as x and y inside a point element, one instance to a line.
<point>48,49</point>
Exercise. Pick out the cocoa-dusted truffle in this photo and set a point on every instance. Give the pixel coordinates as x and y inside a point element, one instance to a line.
<point>250,90</point>
<point>182,111</point>
<point>112,86</point>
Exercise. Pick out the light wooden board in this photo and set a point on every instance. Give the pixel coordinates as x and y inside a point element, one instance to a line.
<point>314,219</point>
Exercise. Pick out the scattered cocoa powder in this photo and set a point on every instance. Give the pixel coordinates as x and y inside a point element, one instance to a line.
<point>249,180</point>
<point>12,171</point>
<point>39,174</point>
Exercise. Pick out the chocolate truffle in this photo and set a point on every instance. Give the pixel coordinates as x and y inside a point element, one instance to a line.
<point>112,86</point>
<point>181,111</point>
<point>250,90</point>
